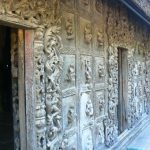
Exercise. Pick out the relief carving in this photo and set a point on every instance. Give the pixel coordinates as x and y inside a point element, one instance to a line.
<point>101,101</point>
<point>100,38</point>
<point>6,7</point>
<point>64,143</point>
<point>36,12</point>
<point>87,34</point>
<point>70,116</point>
<point>69,113</point>
<point>70,76</point>
<point>89,108</point>
<point>68,142</point>
<point>111,131</point>
<point>39,88</point>
<point>88,72</point>
<point>53,67</point>
<point>132,107</point>
<point>69,28</point>
<point>86,109</point>
<point>101,70</point>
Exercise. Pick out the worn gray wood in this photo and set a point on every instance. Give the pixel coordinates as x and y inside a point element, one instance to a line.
<point>21,89</point>
<point>30,104</point>
<point>123,88</point>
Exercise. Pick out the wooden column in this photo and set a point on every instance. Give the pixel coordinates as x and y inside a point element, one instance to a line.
<point>30,103</point>
<point>21,89</point>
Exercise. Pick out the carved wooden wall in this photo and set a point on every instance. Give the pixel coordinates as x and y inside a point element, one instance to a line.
<point>76,69</point>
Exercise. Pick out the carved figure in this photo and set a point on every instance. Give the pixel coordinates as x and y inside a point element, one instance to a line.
<point>100,99</point>
<point>71,73</point>
<point>99,38</point>
<point>88,72</point>
<point>69,28</point>
<point>87,34</point>
<point>89,108</point>
<point>70,116</point>
<point>101,70</point>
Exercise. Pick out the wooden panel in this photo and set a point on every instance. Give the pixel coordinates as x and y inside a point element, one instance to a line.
<point>21,90</point>
<point>30,104</point>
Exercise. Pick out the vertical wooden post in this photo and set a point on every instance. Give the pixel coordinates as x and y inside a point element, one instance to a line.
<point>30,104</point>
<point>21,89</point>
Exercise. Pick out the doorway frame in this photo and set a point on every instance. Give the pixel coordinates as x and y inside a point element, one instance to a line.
<point>122,89</point>
<point>26,71</point>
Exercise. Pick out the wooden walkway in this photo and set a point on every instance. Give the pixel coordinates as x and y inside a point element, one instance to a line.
<point>142,141</point>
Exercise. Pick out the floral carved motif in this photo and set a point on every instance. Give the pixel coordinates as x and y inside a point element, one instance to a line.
<point>39,88</point>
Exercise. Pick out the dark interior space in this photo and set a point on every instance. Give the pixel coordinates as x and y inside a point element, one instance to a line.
<point>122,89</point>
<point>6,113</point>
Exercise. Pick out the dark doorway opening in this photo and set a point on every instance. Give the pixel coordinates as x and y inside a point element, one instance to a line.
<point>123,89</point>
<point>6,111</point>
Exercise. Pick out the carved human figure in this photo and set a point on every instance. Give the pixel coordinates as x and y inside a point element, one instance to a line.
<point>70,76</point>
<point>100,99</point>
<point>100,70</point>
<point>88,72</point>
<point>87,34</point>
<point>86,109</point>
<point>70,116</point>
<point>69,28</point>
<point>89,108</point>
<point>112,109</point>
<point>99,38</point>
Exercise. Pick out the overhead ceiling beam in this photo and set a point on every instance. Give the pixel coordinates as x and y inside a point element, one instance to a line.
<point>133,7</point>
